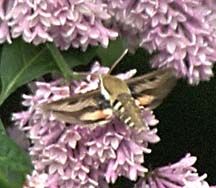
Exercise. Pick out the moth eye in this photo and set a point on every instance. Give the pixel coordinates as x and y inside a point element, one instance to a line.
<point>103,103</point>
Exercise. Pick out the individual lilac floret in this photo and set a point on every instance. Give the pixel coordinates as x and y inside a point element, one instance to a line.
<point>5,8</point>
<point>66,23</point>
<point>79,156</point>
<point>178,30</point>
<point>178,175</point>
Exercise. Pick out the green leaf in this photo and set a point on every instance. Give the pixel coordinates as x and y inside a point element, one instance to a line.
<point>14,164</point>
<point>2,129</point>
<point>21,63</point>
<point>75,57</point>
<point>109,55</point>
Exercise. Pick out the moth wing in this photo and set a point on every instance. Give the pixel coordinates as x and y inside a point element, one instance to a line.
<point>87,108</point>
<point>150,89</point>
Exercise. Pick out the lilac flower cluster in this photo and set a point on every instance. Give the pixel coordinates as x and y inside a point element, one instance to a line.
<point>178,175</point>
<point>76,155</point>
<point>67,23</point>
<point>181,31</point>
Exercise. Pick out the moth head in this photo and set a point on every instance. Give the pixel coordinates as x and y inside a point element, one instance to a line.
<point>111,87</point>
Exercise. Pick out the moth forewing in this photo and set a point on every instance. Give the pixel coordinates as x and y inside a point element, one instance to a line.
<point>87,108</point>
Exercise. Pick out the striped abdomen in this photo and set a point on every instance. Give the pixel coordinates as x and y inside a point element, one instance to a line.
<point>125,108</point>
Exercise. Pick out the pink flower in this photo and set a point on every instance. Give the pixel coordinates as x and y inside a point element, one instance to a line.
<point>37,180</point>
<point>66,23</point>
<point>5,10</point>
<point>180,31</point>
<point>80,156</point>
<point>178,175</point>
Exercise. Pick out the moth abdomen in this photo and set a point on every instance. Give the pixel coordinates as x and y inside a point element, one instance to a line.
<point>125,108</point>
<point>118,106</point>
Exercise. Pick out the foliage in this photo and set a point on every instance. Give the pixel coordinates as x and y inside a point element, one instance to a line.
<point>14,164</point>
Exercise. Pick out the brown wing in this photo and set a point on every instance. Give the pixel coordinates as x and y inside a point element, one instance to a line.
<point>87,108</point>
<point>150,89</point>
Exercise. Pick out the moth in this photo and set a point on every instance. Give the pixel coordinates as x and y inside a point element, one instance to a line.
<point>115,97</point>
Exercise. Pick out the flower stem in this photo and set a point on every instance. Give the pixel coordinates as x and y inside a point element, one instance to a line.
<point>61,63</point>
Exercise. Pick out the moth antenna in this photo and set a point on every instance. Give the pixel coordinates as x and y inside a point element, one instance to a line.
<point>81,74</point>
<point>84,74</point>
<point>118,60</point>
